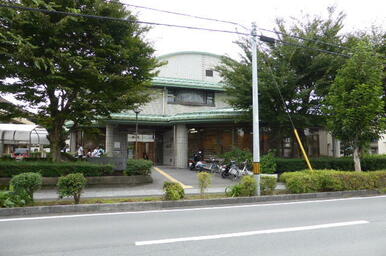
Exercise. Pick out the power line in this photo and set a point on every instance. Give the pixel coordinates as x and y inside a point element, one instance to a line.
<point>185,15</point>
<point>277,86</point>
<point>233,23</point>
<point>302,38</point>
<point>316,49</point>
<point>263,38</point>
<point>119,19</point>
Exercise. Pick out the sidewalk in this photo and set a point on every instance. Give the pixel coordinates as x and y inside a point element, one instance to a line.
<point>185,176</point>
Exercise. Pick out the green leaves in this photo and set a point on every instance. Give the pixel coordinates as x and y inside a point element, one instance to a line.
<point>74,68</point>
<point>355,104</point>
<point>303,75</point>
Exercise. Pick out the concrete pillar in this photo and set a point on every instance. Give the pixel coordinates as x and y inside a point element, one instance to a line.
<point>109,139</point>
<point>123,143</point>
<point>73,142</point>
<point>1,143</point>
<point>336,148</point>
<point>181,146</point>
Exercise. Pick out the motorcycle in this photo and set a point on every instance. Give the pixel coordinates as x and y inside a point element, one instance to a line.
<point>197,163</point>
<point>212,166</point>
<point>229,170</point>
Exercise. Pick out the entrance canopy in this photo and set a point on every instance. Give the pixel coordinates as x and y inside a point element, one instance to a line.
<point>23,134</point>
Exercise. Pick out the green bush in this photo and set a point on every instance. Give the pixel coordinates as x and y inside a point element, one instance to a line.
<point>173,191</point>
<point>204,180</point>
<point>138,167</point>
<point>50,169</point>
<point>268,185</point>
<point>331,180</point>
<point>26,183</point>
<point>6,157</point>
<point>237,155</point>
<point>246,187</point>
<point>72,185</point>
<point>268,163</point>
<point>11,199</point>
<point>369,163</point>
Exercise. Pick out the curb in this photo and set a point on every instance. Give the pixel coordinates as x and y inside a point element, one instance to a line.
<point>159,205</point>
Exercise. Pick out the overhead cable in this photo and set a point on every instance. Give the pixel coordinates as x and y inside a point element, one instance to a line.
<point>263,38</point>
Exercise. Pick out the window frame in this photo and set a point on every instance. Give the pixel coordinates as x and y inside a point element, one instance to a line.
<point>207,94</point>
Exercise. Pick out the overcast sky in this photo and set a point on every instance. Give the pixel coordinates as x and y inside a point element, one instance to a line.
<point>360,15</point>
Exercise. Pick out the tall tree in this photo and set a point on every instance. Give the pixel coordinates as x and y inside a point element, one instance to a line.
<point>73,68</point>
<point>302,74</point>
<point>354,104</point>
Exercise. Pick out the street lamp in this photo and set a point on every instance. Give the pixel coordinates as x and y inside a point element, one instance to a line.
<point>136,110</point>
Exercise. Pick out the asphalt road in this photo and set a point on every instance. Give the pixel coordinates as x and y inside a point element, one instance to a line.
<point>349,227</point>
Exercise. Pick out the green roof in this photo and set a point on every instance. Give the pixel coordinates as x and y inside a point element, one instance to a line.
<point>188,52</point>
<point>187,83</point>
<point>209,116</point>
<point>216,115</point>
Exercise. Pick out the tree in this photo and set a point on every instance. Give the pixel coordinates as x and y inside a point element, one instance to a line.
<point>73,68</point>
<point>302,74</point>
<point>355,105</point>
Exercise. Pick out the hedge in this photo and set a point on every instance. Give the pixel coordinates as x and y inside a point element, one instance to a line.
<point>138,167</point>
<point>371,163</point>
<point>50,169</point>
<point>331,180</point>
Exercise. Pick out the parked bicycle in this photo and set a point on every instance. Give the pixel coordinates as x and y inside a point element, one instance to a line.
<point>233,171</point>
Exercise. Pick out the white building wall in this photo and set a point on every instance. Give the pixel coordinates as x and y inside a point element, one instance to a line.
<point>156,105</point>
<point>190,66</point>
<point>382,145</point>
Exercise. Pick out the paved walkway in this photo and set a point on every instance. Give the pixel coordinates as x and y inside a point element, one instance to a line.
<point>160,174</point>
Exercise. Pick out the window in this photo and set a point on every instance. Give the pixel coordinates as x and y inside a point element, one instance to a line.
<point>190,97</point>
<point>209,73</point>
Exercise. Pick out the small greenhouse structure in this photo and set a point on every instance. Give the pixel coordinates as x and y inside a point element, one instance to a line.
<point>14,136</point>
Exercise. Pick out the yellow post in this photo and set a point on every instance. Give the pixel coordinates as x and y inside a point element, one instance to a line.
<point>256,168</point>
<point>302,148</point>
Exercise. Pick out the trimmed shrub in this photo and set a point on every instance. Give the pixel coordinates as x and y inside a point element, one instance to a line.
<point>268,163</point>
<point>50,169</point>
<point>330,180</point>
<point>138,167</point>
<point>246,187</point>
<point>26,183</point>
<point>369,163</point>
<point>173,191</point>
<point>268,185</point>
<point>11,199</point>
<point>204,180</point>
<point>72,185</point>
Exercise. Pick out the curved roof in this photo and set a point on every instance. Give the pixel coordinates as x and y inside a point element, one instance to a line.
<point>23,134</point>
<point>208,116</point>
<point>187,83</point>
<point>188,52</point>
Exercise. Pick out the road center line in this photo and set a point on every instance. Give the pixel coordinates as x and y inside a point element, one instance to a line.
<point>251,233</point>
<point>169,177</point>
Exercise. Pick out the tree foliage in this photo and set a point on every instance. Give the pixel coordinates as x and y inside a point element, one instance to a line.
<point>302,74</point>
<point>73,68</point>
<point>355,104</point>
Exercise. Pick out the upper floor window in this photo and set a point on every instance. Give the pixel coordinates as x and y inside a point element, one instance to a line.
<point>191,97</point>
<point>209,73</point>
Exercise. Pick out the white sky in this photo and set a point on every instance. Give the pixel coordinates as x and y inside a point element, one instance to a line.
<point>360,15</point>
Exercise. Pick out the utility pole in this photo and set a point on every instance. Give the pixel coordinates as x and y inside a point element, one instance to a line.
<point>255,103</point>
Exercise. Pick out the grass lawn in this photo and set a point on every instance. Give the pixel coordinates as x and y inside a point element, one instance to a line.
<point>121,200</point>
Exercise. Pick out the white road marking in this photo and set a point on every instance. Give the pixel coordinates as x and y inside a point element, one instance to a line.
<point>251,233</point>
<point>261,204</point>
